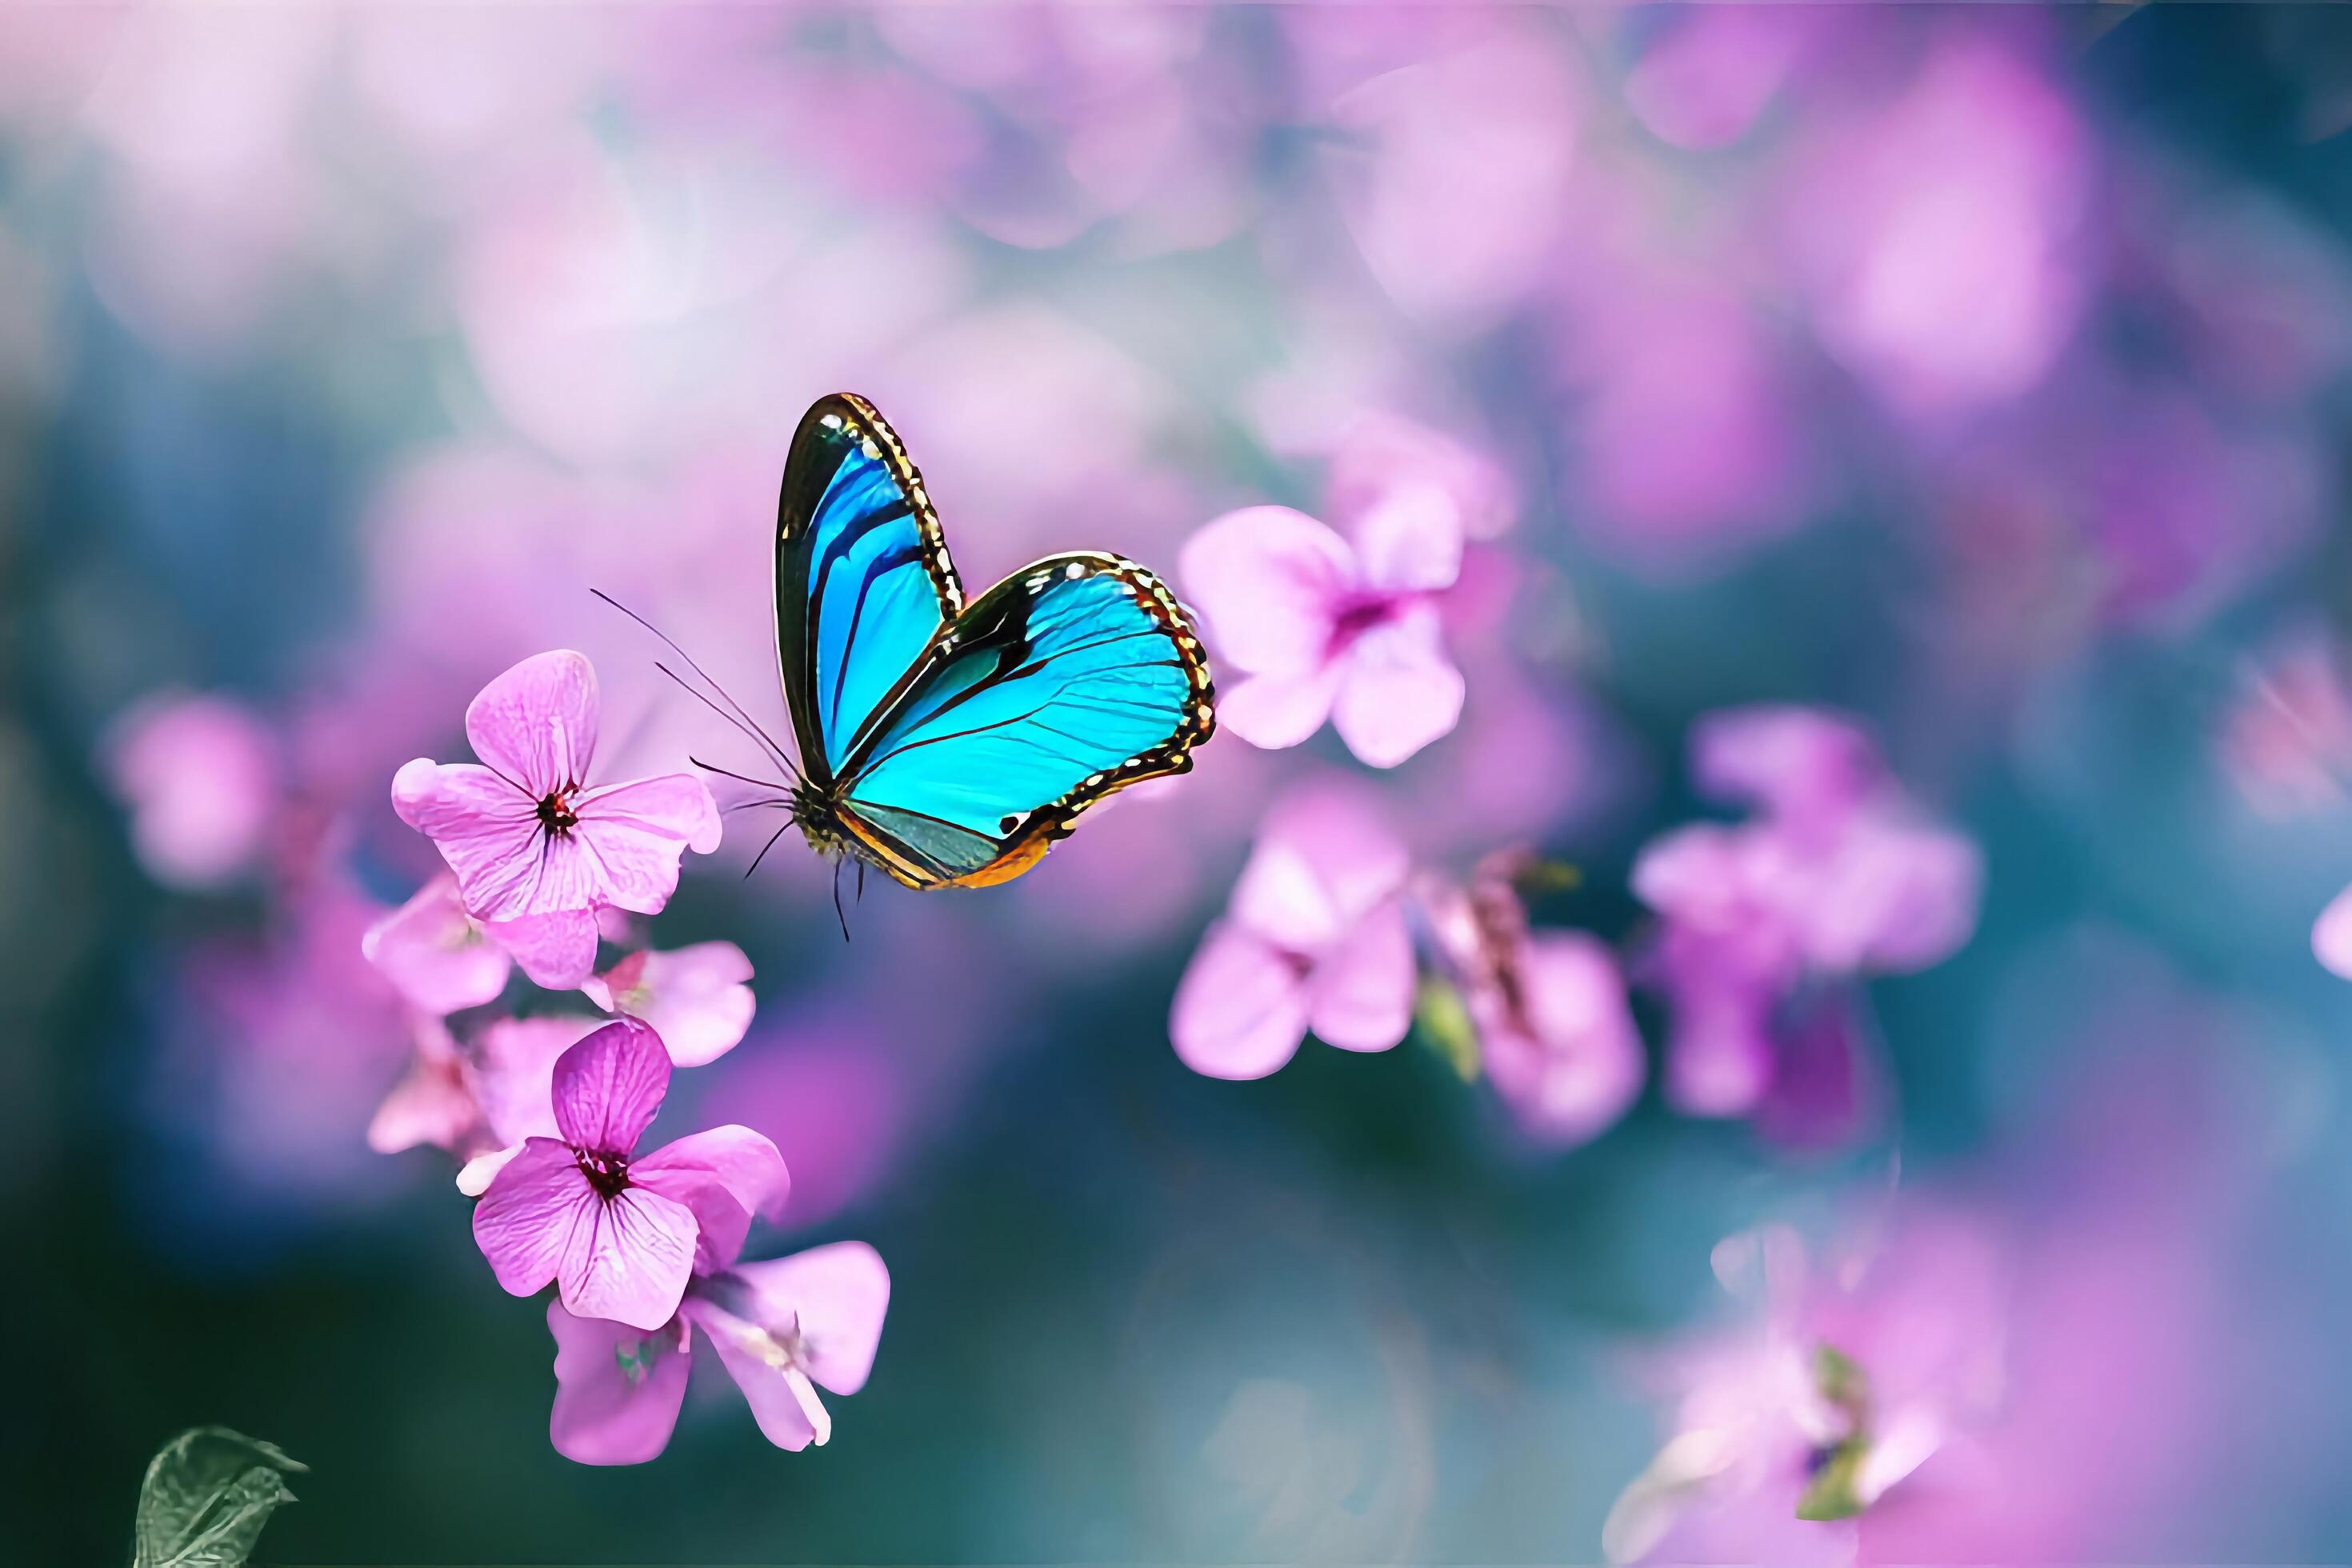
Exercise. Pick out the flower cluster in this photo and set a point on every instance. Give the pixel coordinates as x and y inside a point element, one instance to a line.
<point>1764,927</point>
<point>1836,874</point>
<point>548,1113</point>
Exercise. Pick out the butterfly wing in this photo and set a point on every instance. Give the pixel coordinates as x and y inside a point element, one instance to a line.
<point>863,578</point>
<point>1062,684</point>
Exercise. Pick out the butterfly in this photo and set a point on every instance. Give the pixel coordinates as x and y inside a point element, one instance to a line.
<point>953,744</point>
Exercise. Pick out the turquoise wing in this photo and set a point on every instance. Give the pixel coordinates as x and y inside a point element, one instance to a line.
<point>1066,682</point>
<point>863,578</point>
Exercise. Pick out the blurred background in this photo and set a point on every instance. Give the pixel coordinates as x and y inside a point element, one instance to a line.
<point>1980,373</point>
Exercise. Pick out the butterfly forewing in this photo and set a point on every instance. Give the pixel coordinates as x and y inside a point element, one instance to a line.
<point>863,578</point>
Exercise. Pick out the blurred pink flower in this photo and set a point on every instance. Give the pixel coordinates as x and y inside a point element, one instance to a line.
<point>1453,173</point>
<point>2286,737</point>
<point>621,1232</point>
<point>1943,237</point>
<point>782,1330</point>
<point>1790,1432</point>
<point>696,997</point>
<point>200,774</point>
<point>535,850</point>
<point>1704,83</point>
<point>1381,456</point>
<point>1556,1035</point>
<point>1836,875</point>
<point>434,1100</point>
<point>1326,630</point>
<point>436,955</point>
<point>1315,938</point>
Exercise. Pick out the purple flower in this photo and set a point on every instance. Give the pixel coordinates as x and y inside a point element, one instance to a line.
<point>697,997</point>
<point>1315,938</point>
<point>1836,875</point>
<point>781,1329</point>
<point>436,955</point>
<point>536,852</point>
<point>1324,628</point>
<point>620,1233</point>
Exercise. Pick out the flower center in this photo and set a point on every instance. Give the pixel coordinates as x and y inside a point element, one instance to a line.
<point>555,812</point>
<point>1360,615</point>
<point>608,1173</point>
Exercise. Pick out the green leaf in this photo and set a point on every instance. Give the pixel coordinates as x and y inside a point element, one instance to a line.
<point>205,1499</point>
<point>1841,1380</point>
<point>1834,1492</point>
<point>1445,1024</point>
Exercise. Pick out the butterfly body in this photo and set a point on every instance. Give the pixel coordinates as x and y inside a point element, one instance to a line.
<point>950,743</point>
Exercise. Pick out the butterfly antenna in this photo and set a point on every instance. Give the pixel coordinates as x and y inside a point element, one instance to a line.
<point>747,805</point>
<point>762,855</point>
<point>757,736</point>
<point>732,774</point>
<point>837,911</point>
<point>743,720</point>
<point>861,882</point>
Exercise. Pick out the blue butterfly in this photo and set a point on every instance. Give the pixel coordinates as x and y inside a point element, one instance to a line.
<point>952,743</point>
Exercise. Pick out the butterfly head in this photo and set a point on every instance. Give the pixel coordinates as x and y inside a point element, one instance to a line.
<point>820,823</point>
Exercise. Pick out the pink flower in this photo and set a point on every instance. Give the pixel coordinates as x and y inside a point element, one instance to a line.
<point>620,1233</point>
<point>436,955</point>
<point>696,997</point>
<point>1315,938</point>
<point>200,774</point>
<point>1790,1432</point>
<point>536,851</point>
<point>1555,1033</point>
<point>1837,875</point>
<point>781,1329</point>
<point>1324,628</point>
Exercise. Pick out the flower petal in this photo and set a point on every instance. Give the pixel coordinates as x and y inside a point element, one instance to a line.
<point>1270,583</point>
<point>697,997</point>
<point>1360,995</point>
<point>743,1162</point>
<point>536,724</point>
<point>487,831</point>
<point>513,1072</point>
<point>2331,935</point>
<point>1240,1011</point>
<point>557,951</point>
<point>1324,857</point>
<point>836,1296</point>
<point>1399,691</point>
<point>430,1104</point>
<point>1719,1055</point>
<point>435,955</point>
<point>633,835</point>
<point>607,1088</point>
<point>1273,712</point>
<point>783,1399</point>
<point>617,1389</point>
<point>1569,1061</point>
<point>630,1259</point>
<point>1411,542</point>
<point>527,1214</point>
<point>475,1176</point>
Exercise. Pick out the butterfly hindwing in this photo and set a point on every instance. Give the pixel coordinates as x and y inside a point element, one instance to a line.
<point>863,578</point>
<point>1064,683</point>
